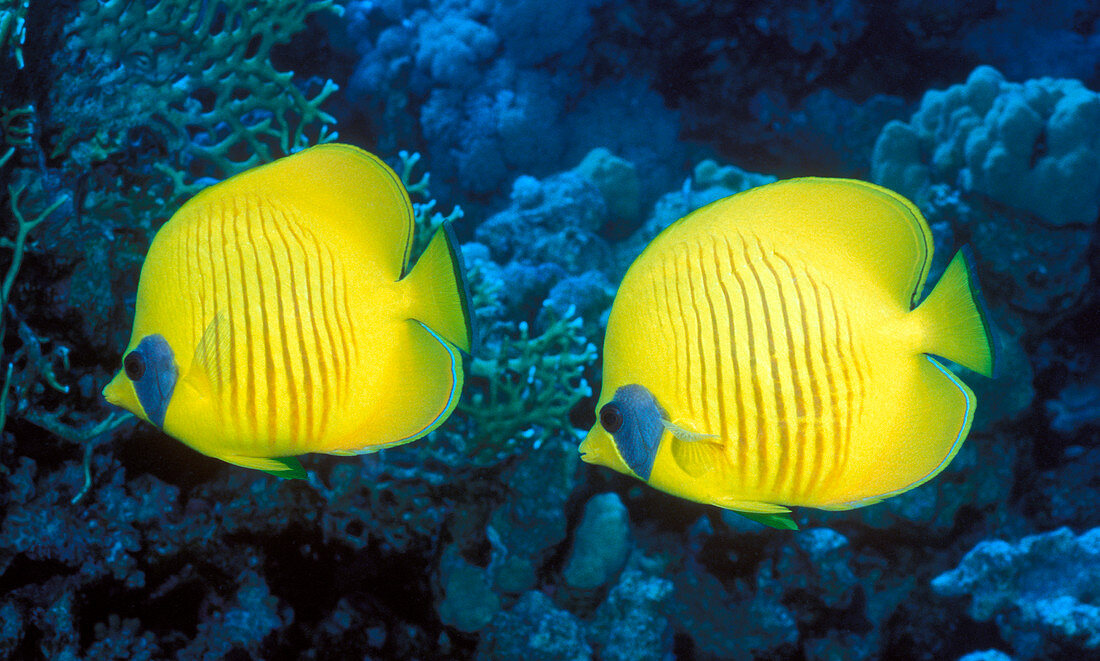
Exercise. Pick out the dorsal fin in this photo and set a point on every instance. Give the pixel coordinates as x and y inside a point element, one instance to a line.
<point>347,196</point>
<point>844,225</point>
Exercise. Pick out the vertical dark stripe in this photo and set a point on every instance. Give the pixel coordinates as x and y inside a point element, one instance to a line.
<point>349,323</point>
<point>868,375</point>
<point>827,474</point>
<point>194,264</point>
<point>248,411</point>
<point>783,440</point>
<point>299,290</point>
<point>858,365</point>
<point>236,313</point>
<point>690,309</point>
<point>292,414</point>
<point>683,337</point>
<point>761,439</point>
<point>221,312</point>
<point>813,379</point>
<point>253,221</point>
<point>842,445</point>
<point>186,276</point>
<point>665,335</point>
<point>796,446</point>
<point>847,365</point>
<point>323,345</point>
<point>238,328</point>
<point>332,332</point>
<point>339,311</point>
<point>679,331</point>
<point>742,409</point>
<point>711,283</point>
<point>210,304</point>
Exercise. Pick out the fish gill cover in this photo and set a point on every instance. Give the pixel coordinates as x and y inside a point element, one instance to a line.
<point>561,139</point>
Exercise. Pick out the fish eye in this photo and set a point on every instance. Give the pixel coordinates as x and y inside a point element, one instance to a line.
<point>134,365</point>
<point>611,418</point>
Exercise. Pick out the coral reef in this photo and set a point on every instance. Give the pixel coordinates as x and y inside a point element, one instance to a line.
<point>1012,164</point>
<point>601,544</point>
<point>1041,591</point>
<point>561,139</point>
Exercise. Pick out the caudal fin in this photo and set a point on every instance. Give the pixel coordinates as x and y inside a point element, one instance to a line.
<point>439,285</point>
<point>955,320</point>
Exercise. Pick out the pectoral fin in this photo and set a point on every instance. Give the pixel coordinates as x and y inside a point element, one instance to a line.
<point>211,363</point>
<point>695,453</point>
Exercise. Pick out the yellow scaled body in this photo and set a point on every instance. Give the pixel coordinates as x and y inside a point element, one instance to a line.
<point>275,317</point>
<point>764,352</point>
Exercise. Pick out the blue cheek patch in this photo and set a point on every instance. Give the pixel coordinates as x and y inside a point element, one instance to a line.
<point>154,387</point>
<point>640,434</point>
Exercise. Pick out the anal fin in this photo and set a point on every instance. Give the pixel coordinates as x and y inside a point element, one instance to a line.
<point>284,467</point>
<point>777,521</point>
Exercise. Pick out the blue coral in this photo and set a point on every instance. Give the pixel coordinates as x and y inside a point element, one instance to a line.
<point>1041,591</point>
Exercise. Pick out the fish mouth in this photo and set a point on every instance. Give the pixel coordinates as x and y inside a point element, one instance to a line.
<point>588,452</point>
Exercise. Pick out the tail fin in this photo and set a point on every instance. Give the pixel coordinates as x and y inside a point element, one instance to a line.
<point>443,302</point>
<point>955,318</point>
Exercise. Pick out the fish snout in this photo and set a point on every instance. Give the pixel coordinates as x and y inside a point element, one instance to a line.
<point>589,446</point>
<point>114,392</point>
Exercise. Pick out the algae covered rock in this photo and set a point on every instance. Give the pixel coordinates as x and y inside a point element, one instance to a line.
<point>535,630</point>
<point>741,623</point>
<point>1043,592</point>
<point>1016,168</point>
<point>617,179</point>
<point>550,221</point>
<point>632,623</point>
<point>468,602</point>
<point>601,544</point>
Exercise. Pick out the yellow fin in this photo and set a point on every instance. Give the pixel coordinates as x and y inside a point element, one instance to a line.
<point>439,290</point>
<point>750,506</point>
<point>954,319</point>
<point>940,410</point>
<point>777,521</point>
<point>287,467</point>
<point>852,227</point>
<point>695,453</point>
<point>687,434</point>
<point>425,373</point>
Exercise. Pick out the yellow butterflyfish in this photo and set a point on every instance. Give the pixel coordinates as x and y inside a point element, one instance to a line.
<point>276,317</point>
<point>767,351</point>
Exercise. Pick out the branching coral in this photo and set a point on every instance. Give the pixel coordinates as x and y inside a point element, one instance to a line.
<point>521,389</point>
<point>192,81</point>
<point>13,28</point>
<point>18,246</point>
<point>520,385</point>
<point>36,366</point>
<point>427,219</point>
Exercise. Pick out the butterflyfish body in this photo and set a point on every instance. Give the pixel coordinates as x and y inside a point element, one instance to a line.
<point>276,317</point>
<point>767,351</point>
